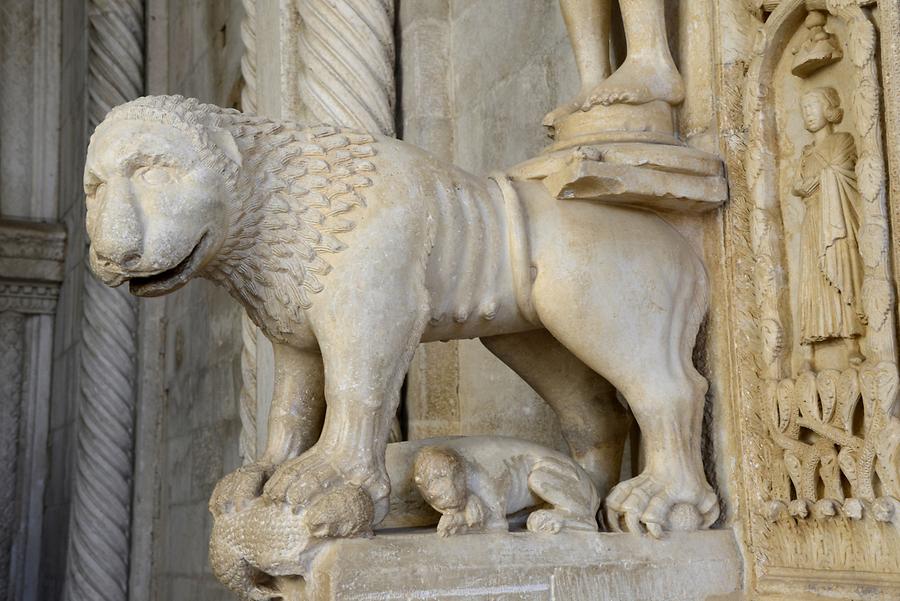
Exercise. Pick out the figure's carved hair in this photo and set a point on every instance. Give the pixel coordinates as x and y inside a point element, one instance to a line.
<point>831,101</point>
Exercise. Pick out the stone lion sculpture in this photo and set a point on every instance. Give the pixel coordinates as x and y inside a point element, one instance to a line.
<point>349,249</point>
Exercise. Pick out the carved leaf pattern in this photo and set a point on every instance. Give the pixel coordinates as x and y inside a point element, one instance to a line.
<point>848,398</point>
<point>805,389</point>
<point>871,244</point>
<point>870,176</point>
<point>862,42</point>
<point>827,383</point>
<point>865,104</point>
<point>785,407</point>
<point>877,298</point>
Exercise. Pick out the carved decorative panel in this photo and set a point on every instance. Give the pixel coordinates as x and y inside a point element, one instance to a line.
<point>819,379</point>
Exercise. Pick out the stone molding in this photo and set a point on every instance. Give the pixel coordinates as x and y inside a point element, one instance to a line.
<point>25,240</point>
<point>31,266</point>
<point>28,297</point>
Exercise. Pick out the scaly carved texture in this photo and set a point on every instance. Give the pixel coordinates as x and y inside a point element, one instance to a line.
<point>12,332</point>
<point>101,505</point>
<point>347,75</point>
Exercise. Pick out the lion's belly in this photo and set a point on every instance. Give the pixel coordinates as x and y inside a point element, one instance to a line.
<point>469,277</point>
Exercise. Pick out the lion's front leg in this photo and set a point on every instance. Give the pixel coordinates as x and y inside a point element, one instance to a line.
<point>294,425</point>
<point>365,358</point>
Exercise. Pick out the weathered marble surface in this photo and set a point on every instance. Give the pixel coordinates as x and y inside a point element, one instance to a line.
<point>524,567</point>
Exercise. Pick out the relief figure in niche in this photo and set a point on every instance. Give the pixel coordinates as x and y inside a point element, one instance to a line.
<point>831,272</point>
<point>648,72</point>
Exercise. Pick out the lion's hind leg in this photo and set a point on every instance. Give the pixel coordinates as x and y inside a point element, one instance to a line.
<point>593,421</point>
<point>569,491</point>
<point>643,345</point>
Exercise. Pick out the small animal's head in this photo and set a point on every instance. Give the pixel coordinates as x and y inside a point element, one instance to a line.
<point>159,178</point>
<point>440,475</point>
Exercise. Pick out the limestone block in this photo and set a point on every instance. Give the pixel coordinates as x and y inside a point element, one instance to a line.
<point>524,567</point>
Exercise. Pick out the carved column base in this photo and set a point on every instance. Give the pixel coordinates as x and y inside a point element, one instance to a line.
<point>523,566</point>
<point>652,122</point>
<point>654,176</point>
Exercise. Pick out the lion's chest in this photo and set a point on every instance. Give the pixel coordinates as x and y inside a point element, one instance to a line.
<point>286,327</point>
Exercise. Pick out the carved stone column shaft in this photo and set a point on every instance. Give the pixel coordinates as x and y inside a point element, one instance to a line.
<point>101,505</point>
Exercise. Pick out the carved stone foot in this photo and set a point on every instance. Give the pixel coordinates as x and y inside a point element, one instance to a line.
<point>654,503</point>
<point>638,82</point>
<point>302,480</point>
<point>566,109</point>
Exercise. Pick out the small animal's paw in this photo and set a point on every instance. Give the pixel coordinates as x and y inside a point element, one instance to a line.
<point>657,504</point>
<point>545,521</point>
<point>452,524</point>
<point>237,489</point>
<point>552,521</point>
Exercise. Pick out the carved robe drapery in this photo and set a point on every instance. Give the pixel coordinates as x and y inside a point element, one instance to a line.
<point>831,271</point>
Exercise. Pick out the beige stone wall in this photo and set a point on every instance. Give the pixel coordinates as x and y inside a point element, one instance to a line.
<point>194,49</point>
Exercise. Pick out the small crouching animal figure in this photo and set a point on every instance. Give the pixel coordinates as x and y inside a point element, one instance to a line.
<point>476,482</point>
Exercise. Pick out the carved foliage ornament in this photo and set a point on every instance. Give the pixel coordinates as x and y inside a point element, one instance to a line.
<point>822,435</point>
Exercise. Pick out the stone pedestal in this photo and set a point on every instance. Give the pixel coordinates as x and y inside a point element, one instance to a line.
<point>523,566</point>
<point>661,177</point>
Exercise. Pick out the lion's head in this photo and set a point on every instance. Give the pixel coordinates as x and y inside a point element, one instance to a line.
<point>157,181</point>
<point>176,189</point>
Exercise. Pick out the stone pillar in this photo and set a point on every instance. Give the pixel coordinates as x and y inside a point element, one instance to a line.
<point>101,505</point>
<point>334,64</point>
<point>31,258</point>
<point>432,393</point>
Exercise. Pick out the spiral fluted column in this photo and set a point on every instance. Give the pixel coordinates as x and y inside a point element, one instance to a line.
<point>100,523</point>
<point>347,55</point>
<point>249,331</point>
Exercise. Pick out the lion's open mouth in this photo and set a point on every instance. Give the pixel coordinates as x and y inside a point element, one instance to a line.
<point>172,278</point>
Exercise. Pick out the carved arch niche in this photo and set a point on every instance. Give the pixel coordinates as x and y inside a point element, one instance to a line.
<point>823,413</point>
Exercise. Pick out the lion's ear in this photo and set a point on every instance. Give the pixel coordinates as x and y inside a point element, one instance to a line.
<point>225,141</point>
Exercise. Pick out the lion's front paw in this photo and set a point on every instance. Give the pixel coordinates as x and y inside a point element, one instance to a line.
<point>302,480</point>
<point>238,488</point>
<point>658,504</point>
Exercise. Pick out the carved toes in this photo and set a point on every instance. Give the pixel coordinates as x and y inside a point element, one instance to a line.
<point>645,504</point>
<point>237,489</point>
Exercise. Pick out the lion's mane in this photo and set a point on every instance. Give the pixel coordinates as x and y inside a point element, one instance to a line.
<point>290,196</point>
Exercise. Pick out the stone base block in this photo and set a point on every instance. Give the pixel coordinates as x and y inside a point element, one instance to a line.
<point>655,176</point>
<point>652,122</point>
<point>523,566</point>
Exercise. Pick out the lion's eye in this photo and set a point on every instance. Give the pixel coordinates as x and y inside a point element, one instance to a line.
<point>155,175</point>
